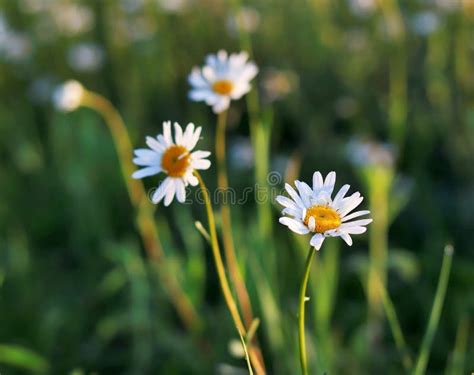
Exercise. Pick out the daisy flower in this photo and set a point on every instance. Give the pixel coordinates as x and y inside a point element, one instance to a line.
<point>313,210</point>
<point>67,97</point>
<point>173,158</point>
<point>223,78</point>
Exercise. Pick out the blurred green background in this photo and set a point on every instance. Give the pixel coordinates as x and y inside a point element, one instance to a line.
<point>381,91</point>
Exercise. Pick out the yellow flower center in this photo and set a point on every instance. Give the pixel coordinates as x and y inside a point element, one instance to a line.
<point>223,87</point>
<point>175,161</point>
<point>325,217</point>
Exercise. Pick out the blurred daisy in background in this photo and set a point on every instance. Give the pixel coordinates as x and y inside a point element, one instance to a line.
<point>312,210</point>
<point>276,84</point>
<point>173,158</point>
<point>14,46</point>
<point>425,23</point>
<point>223,78</point>
<point>86,57</point>
<point>364,153</point>
<point>246,19</point>
<point>68,96</point>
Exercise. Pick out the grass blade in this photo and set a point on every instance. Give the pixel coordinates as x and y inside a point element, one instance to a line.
<point>423,357</point>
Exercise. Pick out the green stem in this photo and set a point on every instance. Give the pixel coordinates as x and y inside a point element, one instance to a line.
<point>227,235</point>
<point>302,301</point>
<point>423,357</point>
<point>396,329</point>
<point>223,281</point>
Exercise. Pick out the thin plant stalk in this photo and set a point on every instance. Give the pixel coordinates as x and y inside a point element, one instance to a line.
<point>301,311</point>
<point>435,314</point>
<point>396,329</point>
<point>379,184</point>
<point>459,353</point>
<point>227,236</point>
<point>260,137</point>
<point>138,198</point>
<point>397,98</point>
<point>223,281</point>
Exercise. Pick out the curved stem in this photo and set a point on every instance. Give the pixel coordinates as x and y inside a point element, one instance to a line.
<point>226,291</point>
<point>227,237</point>
<point>138,198</point>
<point>302,301</point>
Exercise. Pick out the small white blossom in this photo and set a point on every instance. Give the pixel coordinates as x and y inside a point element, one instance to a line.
<point>68,96</point>
<point>223,78</point>
<point>174,158</point>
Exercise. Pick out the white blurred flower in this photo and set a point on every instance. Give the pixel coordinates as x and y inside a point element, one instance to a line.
<point>425,23</point>
<point>173,6</point>
<point>173,158</point>
<point>246,19</point>
<point>241,154</point>
<point>362,7</point>
<point>312,210</point>
<point>236,349</point>
<point>67,97</point>
<point>368,153</point>
<point>223,78</point>
<point>86,57</point>
<point>448,5</point>
<point>33,6</point>
<point>72,19</point>
<point>131,6</point>
<point>276,84</point>
<point>14,46</point>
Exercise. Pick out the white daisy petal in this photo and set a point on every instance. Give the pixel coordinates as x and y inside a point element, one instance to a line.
<point>340,194</point>
<point>193,140</point>
<point>317,241</point>
<point>354,215</point>
<point>286,202</point>
<point>170,192</point>
<point>154,144</point>
<point>304,191</point>
<point>178,134</point>
<point>356,223</point>
<point>191,179</point>
<point>180,191</point>
<point>161,191</point>
<point>146,163</point>
<point>355,230</point>
<point>201,164</point>
<point>317,181</point>
<point>350,205</point>
<point>329,182</point>
<point>188,135</point>
<point>221,105</point>
<point>312,223</point>
<point>347,239</point>
<point>196,79</point>
<point>294,225</point>
<point>145,172</point>
<point>296,213</point>
<point>294,195</point>
<point>200,154</point>
<point>146,154</point>
<point>167,132</point>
